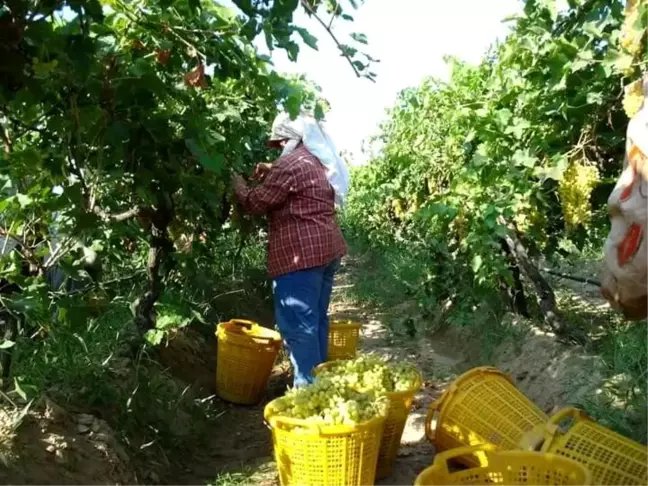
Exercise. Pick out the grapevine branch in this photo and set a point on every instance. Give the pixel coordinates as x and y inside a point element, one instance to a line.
<point>91,204</point>
<point>6,140</point>
<point>89,201</point>
<point>312,12</point>
<point>119,217</point>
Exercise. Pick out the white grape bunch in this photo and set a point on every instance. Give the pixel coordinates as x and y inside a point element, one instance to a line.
<point>633,98</point>
<point>329,401</point>
<point>371,374</point>
<point>574,190</point>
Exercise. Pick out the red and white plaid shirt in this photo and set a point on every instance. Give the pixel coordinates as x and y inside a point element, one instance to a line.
<point>297,196</point>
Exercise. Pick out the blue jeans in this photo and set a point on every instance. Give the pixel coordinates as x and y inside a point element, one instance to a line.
<point>301,301</point>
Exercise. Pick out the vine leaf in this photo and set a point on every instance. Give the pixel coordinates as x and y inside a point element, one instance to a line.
<point>309,39</point>
<point>214,162</point>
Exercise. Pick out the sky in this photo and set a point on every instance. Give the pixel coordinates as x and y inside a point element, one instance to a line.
<point>410,37</point>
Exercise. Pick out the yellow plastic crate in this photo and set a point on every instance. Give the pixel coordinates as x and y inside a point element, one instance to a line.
<point>336,455</point>
<point>506,468</point>
<point>481,406</point>
<point>611,458</point>
<point>246,354</point>
<point>343,340</point>
<point>400,405</point>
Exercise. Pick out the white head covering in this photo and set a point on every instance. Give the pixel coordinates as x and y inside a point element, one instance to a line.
<point>305,128</point>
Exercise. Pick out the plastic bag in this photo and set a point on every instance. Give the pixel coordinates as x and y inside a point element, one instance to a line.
<point>625,273</point>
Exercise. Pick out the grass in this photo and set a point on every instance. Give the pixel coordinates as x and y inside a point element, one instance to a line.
<point>386,277</point>
<point>92,368</point>
<point>97,364</point>
<point>232,478</point>
<point>391,278</point>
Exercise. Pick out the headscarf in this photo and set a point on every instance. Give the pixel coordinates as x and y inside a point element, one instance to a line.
<point>305,128</point>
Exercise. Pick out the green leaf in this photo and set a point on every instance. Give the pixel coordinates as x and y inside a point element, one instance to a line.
<point>359,66</point>
<point>524,159</point>
<point>480,157</point>
<point>358,37</point>
<point>476,263</point>
<point>319,112</point>
<point>214,161</point>
<point>348,50</point>
<point>43,69</point>
<point>504,117</point>
<point>556,171</point>
<point>293,105</point>
<point>617,61</point>
<point>309,39</point>
<point>154,336</point>
<point>595,98</point>
<point>6,344</point>
<point>24,200</point>
<point>519,126</point>
<point>18,389</point>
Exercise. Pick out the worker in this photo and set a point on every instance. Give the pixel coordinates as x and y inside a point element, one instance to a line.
<point>300,193</point>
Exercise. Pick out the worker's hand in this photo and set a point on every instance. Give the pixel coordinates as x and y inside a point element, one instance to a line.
<point>261,170</point>
<point>238,181</point>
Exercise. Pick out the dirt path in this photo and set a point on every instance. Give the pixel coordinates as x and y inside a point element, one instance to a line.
<point>433,358</point>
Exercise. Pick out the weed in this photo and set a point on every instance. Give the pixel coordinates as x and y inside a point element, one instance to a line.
<point>232,478</point>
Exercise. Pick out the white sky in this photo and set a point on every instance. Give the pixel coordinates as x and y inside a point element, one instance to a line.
<point>410,37</point>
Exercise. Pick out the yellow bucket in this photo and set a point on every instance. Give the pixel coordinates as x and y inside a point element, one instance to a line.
<point>400,405</point>
<point>611,458</point>
<point>481,406</point>
<point>311,454</point>
<point>505,468</point>
<point>343,340</point>
<point>246,354</point>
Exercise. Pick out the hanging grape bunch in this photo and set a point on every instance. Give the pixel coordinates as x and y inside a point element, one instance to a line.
<point>633,98</point>
<point>631,36</point>
<point>575,188</point>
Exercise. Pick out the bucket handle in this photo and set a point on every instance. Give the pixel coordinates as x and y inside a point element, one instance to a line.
<point>251,325</point>
<point>443,458</point>
<point>432,419</point>
<point>576,414</point>
<point>539,438</point>
<point>243,323</point>
<point>434,413</point>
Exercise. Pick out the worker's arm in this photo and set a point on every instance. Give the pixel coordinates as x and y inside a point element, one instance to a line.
<point>272,193</point>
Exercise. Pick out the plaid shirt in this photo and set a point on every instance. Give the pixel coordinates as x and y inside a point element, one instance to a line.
<point>303,232</point>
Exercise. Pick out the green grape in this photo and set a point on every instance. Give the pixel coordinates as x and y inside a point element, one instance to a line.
<point>372,375</point>
<point>329,401</point>
<point>348,392</point>
<point>574,190</point>
<point>633,98</point>
<point>631,37</point>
